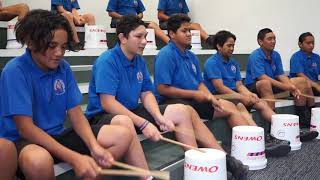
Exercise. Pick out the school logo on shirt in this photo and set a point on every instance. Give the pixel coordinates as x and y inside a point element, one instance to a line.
<point>180,5</point>
<point>135,3</point>
<point>59,87</point>
<point>314,65</point>
<point>194,69</point>
<point>139,77</point>
<point>233,69</point>
<point>274,67</point>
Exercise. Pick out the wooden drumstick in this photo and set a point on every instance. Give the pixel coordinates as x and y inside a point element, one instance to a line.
<point>275,100</point>
<point>159,174</point>
<point>181,144</point>
<point>308,96</point>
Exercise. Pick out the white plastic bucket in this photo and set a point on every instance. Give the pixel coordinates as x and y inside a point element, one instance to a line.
<point>95,37</point>
<point>248,146</point>
<point>210,165</point>
<point>195,39</point>
<point>286,127</point>
<point>315,120</point>
<point>151,40</point>
<point>11,36</point>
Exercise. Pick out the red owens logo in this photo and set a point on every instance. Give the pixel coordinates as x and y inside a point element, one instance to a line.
<point>246,138</point>
<point>290,124</point>
<point>211,169</point>
<point>97,30</point>
<point>11,26</point>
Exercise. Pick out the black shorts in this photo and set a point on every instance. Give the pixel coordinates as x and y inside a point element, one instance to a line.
<point>315,92</point>
<point>253,88</point>
<point>69,138</point>
<point>163,25</point>
<point>205,110</point>
<point>140,111</point>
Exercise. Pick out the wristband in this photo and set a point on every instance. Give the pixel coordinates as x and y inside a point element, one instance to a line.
<point>144,125</point>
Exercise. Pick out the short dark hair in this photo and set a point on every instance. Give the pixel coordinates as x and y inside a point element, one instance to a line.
<point>176,20</point>
<point>128,23</point>
<point>38,27</point>
<point>303,36</point>
<point>262,33</point>
<point>221,37</point>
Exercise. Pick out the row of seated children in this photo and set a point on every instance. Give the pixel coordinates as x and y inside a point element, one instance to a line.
<point>116,9</point>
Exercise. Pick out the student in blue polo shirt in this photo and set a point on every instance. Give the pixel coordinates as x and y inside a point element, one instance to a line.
<point>8,159</point>
<point>265,77</point>
<point>69,9</point>
<point>305,63</point>
<point>222,76</point>
<point>167,8</point>
<point>38,90</point>
<point>9,12</point>
<point>120,78</point>
<point>118,8</point>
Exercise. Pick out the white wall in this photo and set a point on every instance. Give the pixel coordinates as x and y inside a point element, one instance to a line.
<point>287,18</point>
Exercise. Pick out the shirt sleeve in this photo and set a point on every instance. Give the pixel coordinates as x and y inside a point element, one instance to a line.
<point>164,67</point>
<point>106,77</point>
<point>74,96</point>
<point>57,2</point>
<point>238,74</point>
<point>296,65</point>
<point>16,92</point>
<point>279,68</point>
<point>212,70</point>
<point>199,73</point>
<point>75,5</point>
<point>112,6</point>
<point>185,9</point>
<point>140,8</point>
<point>256,66</point>
<point>147,83</point>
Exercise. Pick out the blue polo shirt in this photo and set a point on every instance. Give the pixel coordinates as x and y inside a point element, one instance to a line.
<point>309,65</point>
<point>170,7</point>
<point>114,74</point>
<point>68,5</point>
<point>175,68</point>
<point>217,68</point>
<point>259,65</point>
<point>126,7</point>
<point>27,90</point>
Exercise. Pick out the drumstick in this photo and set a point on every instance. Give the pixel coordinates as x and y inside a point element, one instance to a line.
<point>275,100</point>
<point>181,144</point>
<point>228,96</point>
<point>159,174</point>
<point>238,96</point>
<point>308,96</point>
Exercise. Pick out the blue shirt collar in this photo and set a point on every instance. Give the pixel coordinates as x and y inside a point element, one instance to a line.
<point>221,58</point>
<point>36,70</point>
<point>305,55</point>
<point>264,54</point>
<point>174,46</point>
<point>123,58</point>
